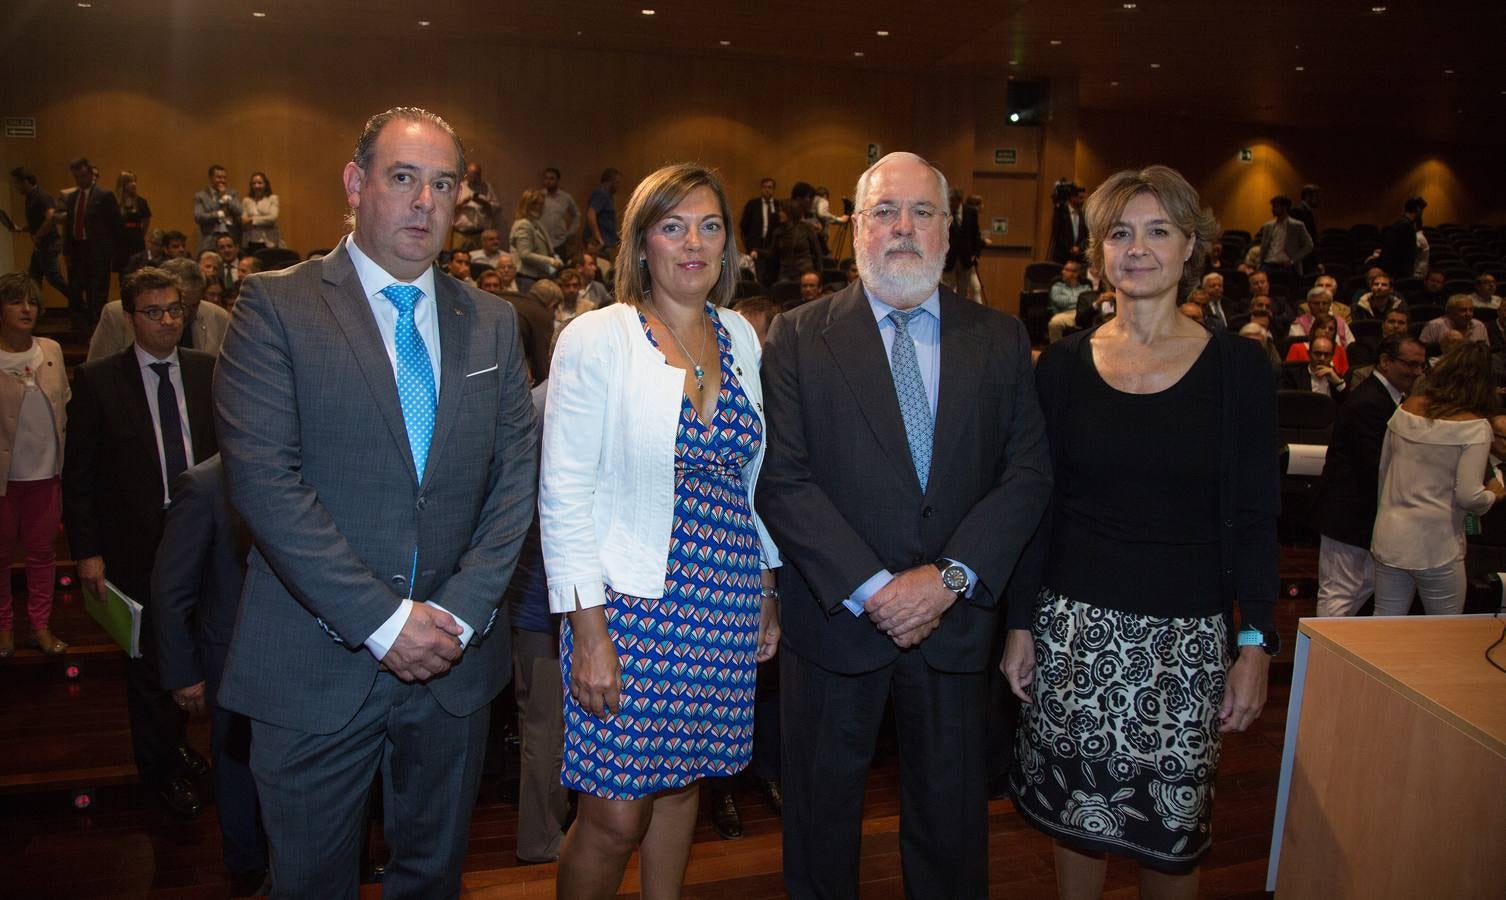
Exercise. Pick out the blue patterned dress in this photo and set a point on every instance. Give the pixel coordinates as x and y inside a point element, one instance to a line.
<point>688,657</point>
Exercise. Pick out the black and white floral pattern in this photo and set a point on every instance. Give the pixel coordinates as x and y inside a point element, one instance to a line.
<point>1118,750</point>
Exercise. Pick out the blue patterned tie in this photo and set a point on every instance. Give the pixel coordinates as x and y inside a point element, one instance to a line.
<point>914,405</point>
<point>415,374</point>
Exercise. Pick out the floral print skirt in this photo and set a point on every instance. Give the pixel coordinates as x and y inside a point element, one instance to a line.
<point>1118,749</point>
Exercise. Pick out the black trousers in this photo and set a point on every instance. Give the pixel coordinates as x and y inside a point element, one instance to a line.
<point>158,726</point>
<point>44,265</point>
<point>88,281</point>
<point>831,721</point>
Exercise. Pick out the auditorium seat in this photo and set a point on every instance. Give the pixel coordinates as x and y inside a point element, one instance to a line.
<point>274,258</point>
<point>1424,312</point>
<point>1366,330</point>
<point>1041,275</point>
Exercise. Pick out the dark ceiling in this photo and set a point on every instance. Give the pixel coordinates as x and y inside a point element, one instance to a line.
<point>1434,70</point>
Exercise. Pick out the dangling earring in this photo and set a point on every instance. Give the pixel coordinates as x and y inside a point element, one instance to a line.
<point>648,285</point>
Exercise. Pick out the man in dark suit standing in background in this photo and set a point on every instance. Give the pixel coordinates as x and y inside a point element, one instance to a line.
<point>906,469</point>
<point>196,590</point>
<point>756,226</point>
<point>138,419</point>
<point>1346,507</point>
<point>1069,227</point>
<point>964,246</point>
<point>380,444</point>
<point>91,219</point>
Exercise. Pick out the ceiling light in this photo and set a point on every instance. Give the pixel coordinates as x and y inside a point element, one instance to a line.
<point>83,5</point>
<point>1155,65</point>
<point>259,15</point>
<point>1129,5</point>
<point>1301,68</point>
<point>1377,9</point>
<point>646,12</point>
<point>1116,84</point>
<point>1056,43</point>
<point>423,23</point>
<point>1014,117</point>
<point>857,53</point>
<point>1448,71</point>
<point>1014,62</point>
<point>882,33</point>
<point>725,43</point>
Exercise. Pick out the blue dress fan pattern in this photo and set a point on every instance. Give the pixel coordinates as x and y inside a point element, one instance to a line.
<point>687,658</point>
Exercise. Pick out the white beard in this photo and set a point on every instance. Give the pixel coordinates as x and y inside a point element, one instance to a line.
<point>898,281</point>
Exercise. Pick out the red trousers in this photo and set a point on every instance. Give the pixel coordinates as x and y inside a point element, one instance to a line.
<point>31,511</point>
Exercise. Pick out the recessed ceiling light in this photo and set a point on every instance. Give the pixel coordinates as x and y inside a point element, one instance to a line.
<point>1056,43</point>
<point>424,23</point>
<point>1116,84</point>
<point>1377,9</point>
<point>1155,65</point>
<point>1301,68</point>
<point>1129,5</point>
<point>259,15</point>
<point>725,43</point>
<point>1448,71</point>
<point>882,33</point>
<point>1014,62</point>
<point>857,53</point>
<point>646,12</point>
<point>1014,117</point>
<point>83,5</point>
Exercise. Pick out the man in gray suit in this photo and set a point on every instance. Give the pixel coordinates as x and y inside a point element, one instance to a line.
<point>906,469</point>
<point>380,445</point>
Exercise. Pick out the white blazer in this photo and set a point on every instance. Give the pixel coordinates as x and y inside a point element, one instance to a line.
<point>607,476</point>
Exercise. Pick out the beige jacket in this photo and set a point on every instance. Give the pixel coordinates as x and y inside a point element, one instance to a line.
<point>114,332</point>
<point>53,380</point>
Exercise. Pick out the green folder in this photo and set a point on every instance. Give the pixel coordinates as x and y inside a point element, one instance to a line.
<point>119,615</point>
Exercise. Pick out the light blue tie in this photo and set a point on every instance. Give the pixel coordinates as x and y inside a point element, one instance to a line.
<point>914,405</point>
<point>415,374</point>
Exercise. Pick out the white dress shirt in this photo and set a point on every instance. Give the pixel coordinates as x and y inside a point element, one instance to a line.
<point>150,381</point>
<point>374,280</point>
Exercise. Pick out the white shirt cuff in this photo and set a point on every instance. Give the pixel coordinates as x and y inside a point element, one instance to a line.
<point>867,589</point>
<point>382,639</point>
<point>465,629</point>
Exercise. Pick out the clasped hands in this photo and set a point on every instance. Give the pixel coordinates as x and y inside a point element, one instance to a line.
<point>428,645</point>
<point>911,605</point>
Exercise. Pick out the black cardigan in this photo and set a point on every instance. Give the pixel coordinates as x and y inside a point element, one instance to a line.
<point>1249,478</point>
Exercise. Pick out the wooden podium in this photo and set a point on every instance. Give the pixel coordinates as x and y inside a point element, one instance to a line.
<point>1393,778</point>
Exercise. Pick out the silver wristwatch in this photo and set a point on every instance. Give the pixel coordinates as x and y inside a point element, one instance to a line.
<point>953,576</point>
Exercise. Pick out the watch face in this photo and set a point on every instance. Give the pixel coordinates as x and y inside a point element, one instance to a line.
<point>955,578</point>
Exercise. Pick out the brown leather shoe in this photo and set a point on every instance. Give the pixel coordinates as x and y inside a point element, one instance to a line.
<point>47,642</point>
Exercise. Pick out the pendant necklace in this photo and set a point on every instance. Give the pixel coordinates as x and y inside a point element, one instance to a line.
<point>700,373</point>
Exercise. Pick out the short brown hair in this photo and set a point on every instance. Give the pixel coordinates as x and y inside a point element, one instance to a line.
<point>1176,196</point>
<point>19,286</point>
<point>1461,383</point>
<point>139,282</point>
<point>652,200</point>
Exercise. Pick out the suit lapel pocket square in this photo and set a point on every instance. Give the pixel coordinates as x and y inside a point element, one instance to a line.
<point>482,372</point>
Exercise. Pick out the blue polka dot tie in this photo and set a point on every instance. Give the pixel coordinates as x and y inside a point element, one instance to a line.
<point>415,374</point>
<point>914,405</point>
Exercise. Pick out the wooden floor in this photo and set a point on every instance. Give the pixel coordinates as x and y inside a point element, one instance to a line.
<point>58,734</point>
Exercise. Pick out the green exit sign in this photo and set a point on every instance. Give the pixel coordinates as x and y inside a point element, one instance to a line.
<point>1005,156</point>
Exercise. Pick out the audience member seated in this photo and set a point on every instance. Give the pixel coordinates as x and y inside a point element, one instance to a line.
<point>490,250</point>
<point>1331,285</point>
<point>1320,312</point>
<point>226,248</point>
<point>1379,300</point>
<point>204,327</point>
<point>1262,314</point>
<point>535,329</point>
<point>1219,308</point>
<point>760,313</point>
<point>849,269</point>
<point>153,255</point>
<point>1258,333</point>
<point>259,212</point>
<point>1458,315</point>
<point>33,393</point>
<point>1484,294</point>
<point>246,265</point>
<point>1313,370</point>
<point>507,270</point>
<point>459,266</point>
<point>1063,299</point>
<point>490,282</point>
<point>1432,293</point>
<point>598,284</point>
<point>214,294</point>
<point>810,287</point>
<point>1192,311</point>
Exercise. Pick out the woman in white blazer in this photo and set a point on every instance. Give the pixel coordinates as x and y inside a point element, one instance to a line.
<point>33,400</point>
<point>653,438</point>
<point>1432,472</point>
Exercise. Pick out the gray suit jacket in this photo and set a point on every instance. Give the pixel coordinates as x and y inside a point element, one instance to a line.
<point>114,332</point>
<point>839,492</point>
<point>320,469</point>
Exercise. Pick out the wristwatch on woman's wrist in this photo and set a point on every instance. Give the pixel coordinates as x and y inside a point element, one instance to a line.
<point>1266,639</point>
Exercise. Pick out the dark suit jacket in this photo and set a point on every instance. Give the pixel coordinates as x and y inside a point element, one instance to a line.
<point>101,221</point>
<point>1063,238</point>
<point>535,331</point>
<point>1398,248</point>
<point>112,477</point>
<point>196,581</point>
<point>750,225</point>
<point>320,468</point>
<point>965,242</point>
<point>1346,507</point>
<point>1295,377</point>
<point>839,493</point>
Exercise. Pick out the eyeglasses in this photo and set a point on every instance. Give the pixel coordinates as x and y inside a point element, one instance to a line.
<point>923,216</point>
<point>155,313</point>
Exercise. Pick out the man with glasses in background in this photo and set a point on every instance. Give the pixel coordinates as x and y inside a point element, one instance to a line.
<point>138,419</point>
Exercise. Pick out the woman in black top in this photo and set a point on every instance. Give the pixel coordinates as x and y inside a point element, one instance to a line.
<point>135,221</point>
<point>1163,436</point>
